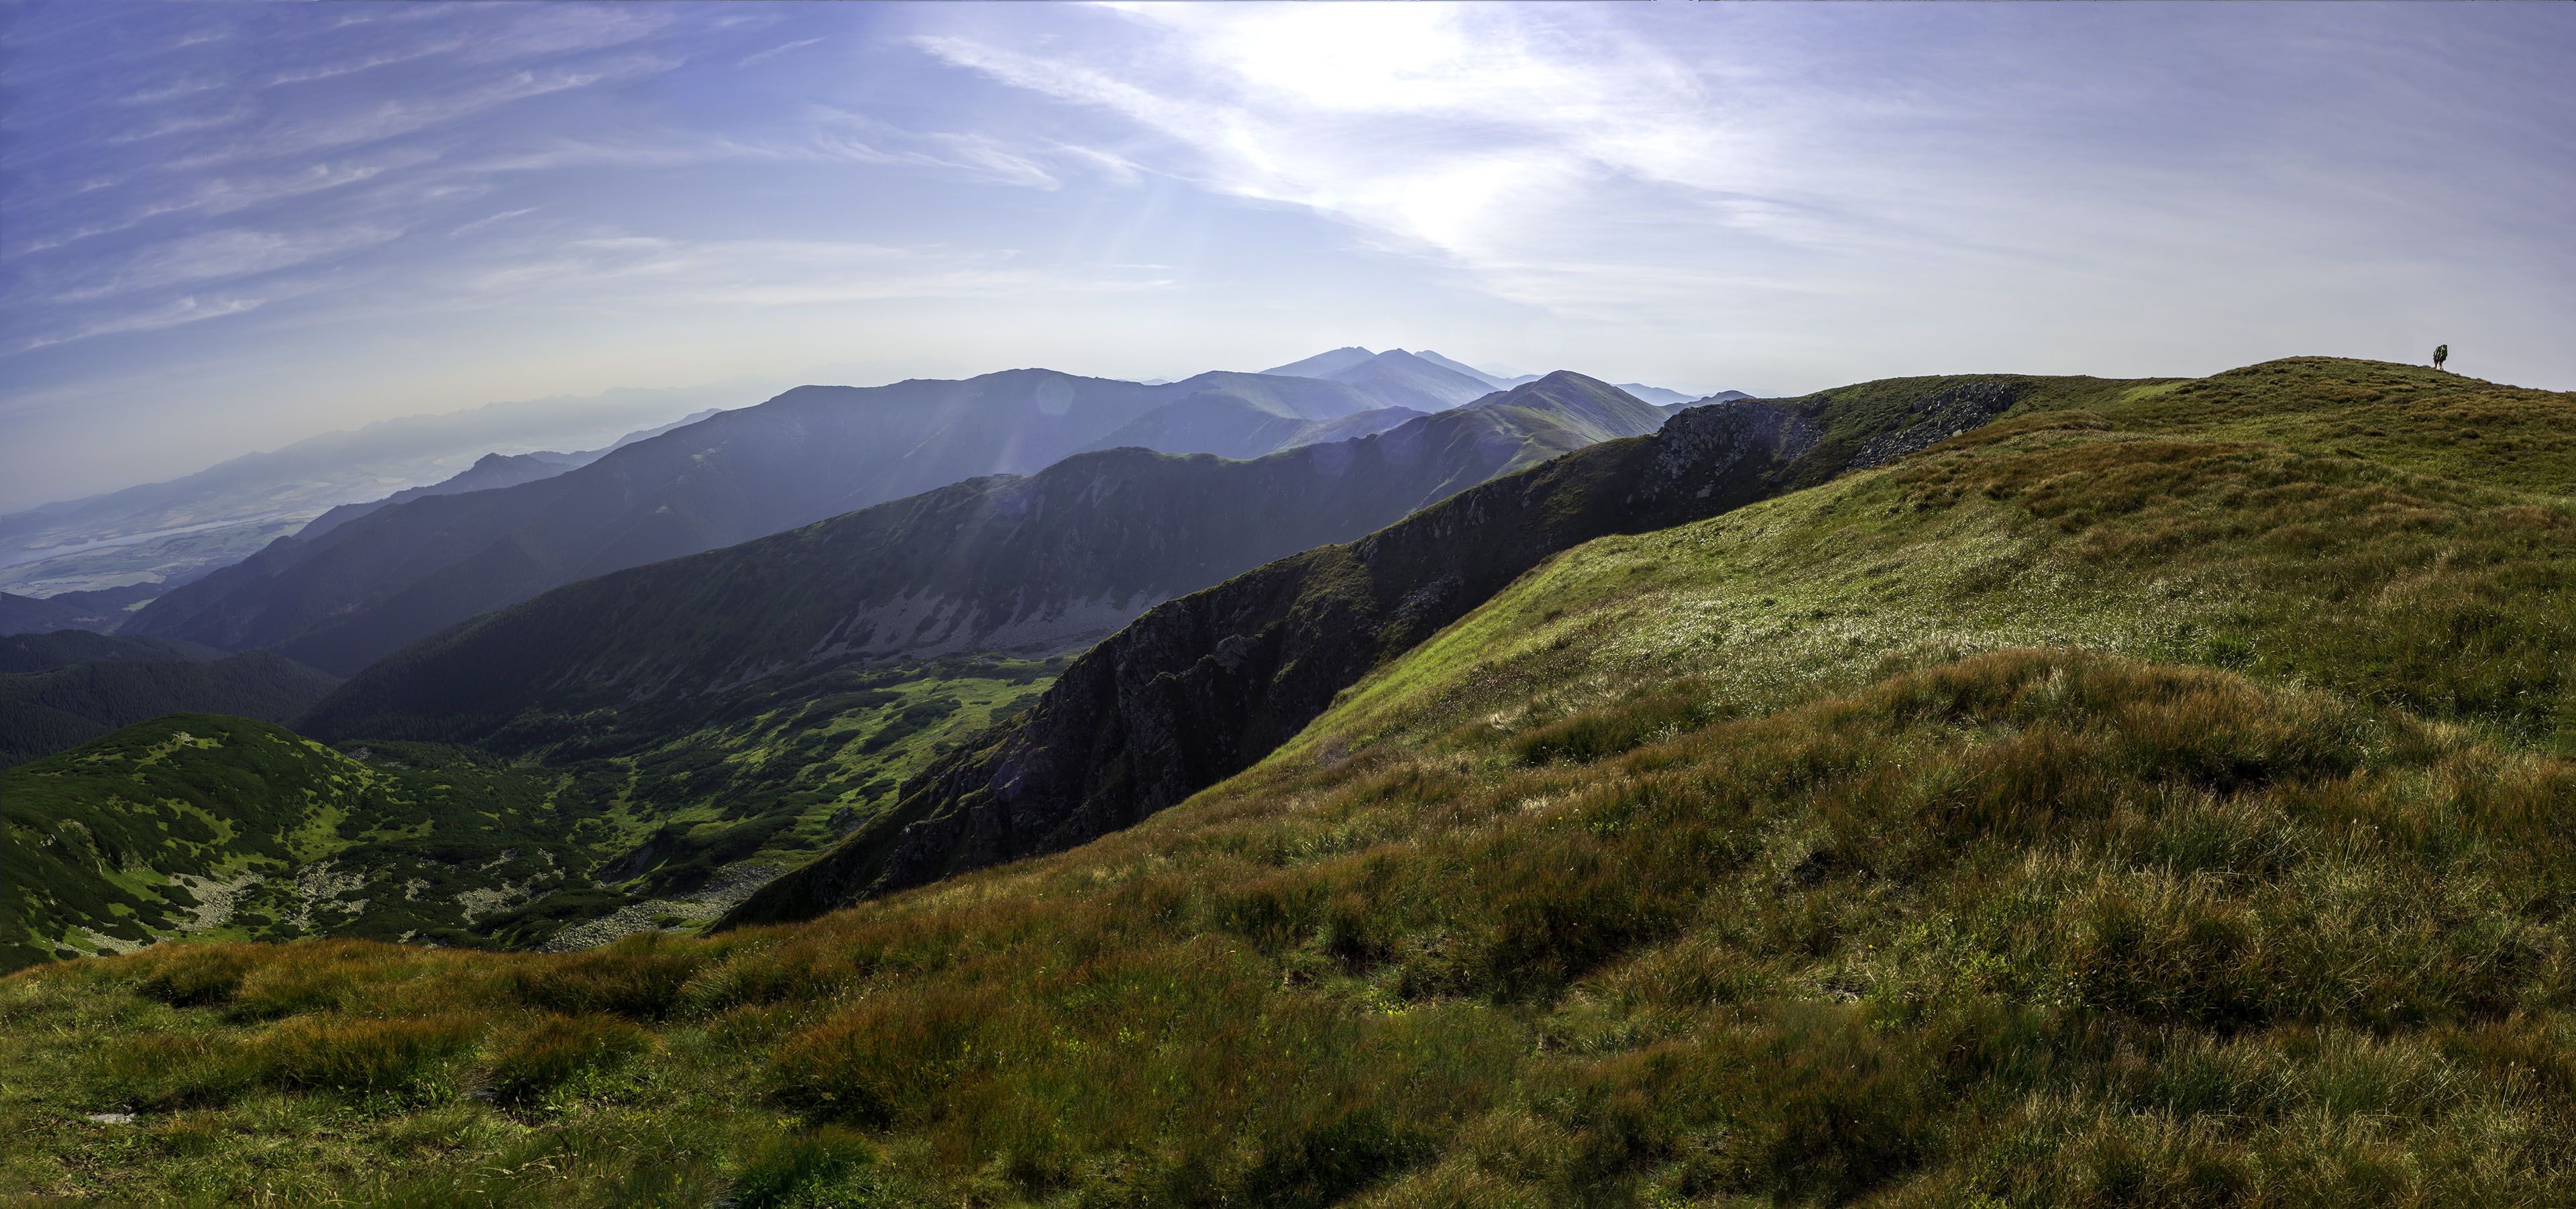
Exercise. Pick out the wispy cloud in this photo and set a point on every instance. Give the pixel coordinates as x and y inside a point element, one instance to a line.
<point>1469,134</point>
<point>1616,165</point>
<point>488,220</point>
<point>165,313</point>
<point>840,134</point>
<point>393,117</point>
<point>219,256</point>
<point>762,56</point>
<point>768,273</point>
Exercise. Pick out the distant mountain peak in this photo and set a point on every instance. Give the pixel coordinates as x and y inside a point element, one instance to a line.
<point>1323,364</point>
<point>1497,381</point>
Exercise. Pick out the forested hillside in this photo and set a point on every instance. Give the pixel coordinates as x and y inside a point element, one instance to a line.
<point>46,711</point>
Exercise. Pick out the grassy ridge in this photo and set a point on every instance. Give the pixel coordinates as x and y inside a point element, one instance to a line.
<point>2082,811</point>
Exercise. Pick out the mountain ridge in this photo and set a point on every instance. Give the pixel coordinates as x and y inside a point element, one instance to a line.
<point>1403,380</point>
<point>69,704</point>
<point>99,612</point>
<point>367,587</point>
<point>1001,563</point>
<point>1249,415</point>
<point>36,652</point>
<point>1205,685</point>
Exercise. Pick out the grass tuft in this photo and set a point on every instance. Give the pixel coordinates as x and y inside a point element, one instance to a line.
<point>557,1048</point>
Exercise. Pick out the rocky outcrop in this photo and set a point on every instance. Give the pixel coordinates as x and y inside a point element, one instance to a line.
<point>1939,417</point>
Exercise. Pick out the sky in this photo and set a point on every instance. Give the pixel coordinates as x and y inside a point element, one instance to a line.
<point>227,226</point>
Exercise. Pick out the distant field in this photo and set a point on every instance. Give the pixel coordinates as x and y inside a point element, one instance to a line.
<point>154,561</point>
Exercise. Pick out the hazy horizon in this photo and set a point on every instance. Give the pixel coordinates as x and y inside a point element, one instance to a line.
<point>232,227</point>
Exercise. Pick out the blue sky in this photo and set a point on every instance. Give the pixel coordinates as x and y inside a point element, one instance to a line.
<point>227,226</point>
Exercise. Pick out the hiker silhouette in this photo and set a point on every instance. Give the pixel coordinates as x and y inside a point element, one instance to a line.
<point>2441,354</point>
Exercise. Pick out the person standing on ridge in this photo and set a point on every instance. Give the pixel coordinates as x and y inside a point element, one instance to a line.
<point>2441,353</point>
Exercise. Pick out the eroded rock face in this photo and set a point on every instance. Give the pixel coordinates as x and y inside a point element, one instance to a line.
<point>1201,687</point>
<point>1941,416</point>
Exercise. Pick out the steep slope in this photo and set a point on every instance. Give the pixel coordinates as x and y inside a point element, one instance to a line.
<point>37,652</point>
<point>1201,687</point>
<point>1204,686</point>
<point>47,711</point>
<point>367,587</point>
<point>1039,564</point>
<point>1242,416</point>
<point>2138,801</point>
<point>1397,378</point>
<point>490,471</point>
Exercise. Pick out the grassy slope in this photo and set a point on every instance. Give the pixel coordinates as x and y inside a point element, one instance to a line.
<point>2136,804</point>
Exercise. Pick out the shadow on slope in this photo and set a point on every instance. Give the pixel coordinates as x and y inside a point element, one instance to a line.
<point>367,587</point>
<point>1202,687</point>
<point>1031,565</point>
<point>62,707</point>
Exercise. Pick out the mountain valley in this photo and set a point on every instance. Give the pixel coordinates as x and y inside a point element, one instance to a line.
<point>1979,789</point>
